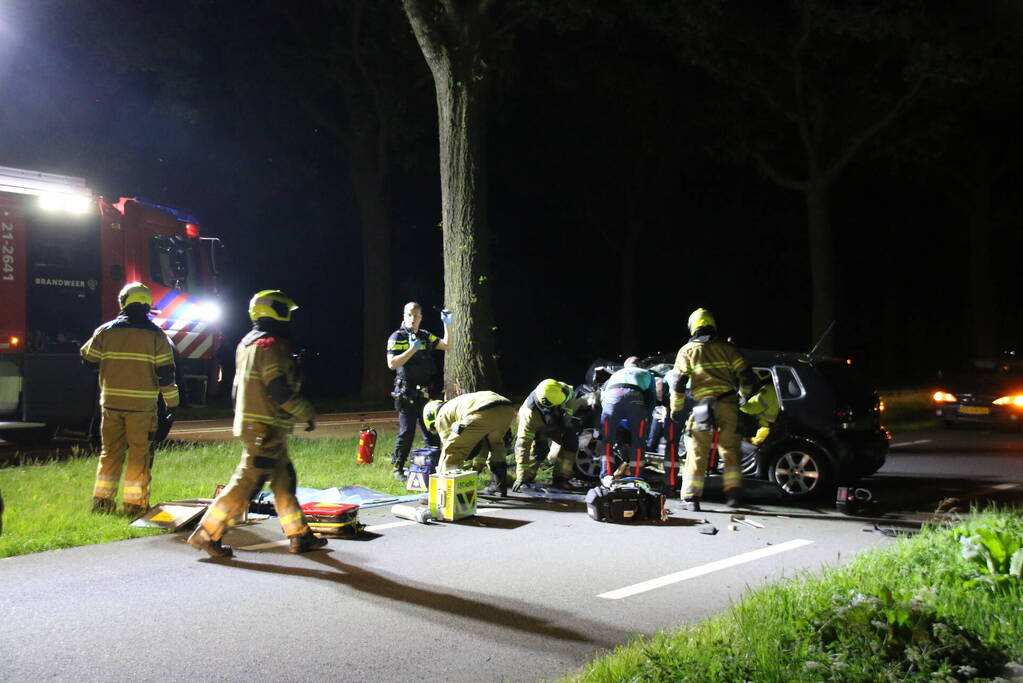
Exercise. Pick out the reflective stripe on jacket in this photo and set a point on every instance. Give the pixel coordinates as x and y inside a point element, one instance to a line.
<point>712,365</point>
<point>266,383</point>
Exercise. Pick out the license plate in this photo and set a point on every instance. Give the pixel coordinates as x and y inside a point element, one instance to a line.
<point>973,410</point>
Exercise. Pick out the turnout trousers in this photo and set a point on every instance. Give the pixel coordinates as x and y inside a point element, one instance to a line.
<point>264,456</point>
<point>121,431</point>
<point>485,429</point>
<point>562,455</point>
<point>699,444</point>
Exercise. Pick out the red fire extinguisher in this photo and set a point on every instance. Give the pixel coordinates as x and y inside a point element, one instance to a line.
<point>367,443</point>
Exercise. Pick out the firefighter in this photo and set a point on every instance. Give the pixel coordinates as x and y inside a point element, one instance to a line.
<point>268,399</point>
<point>136,367</point>
<point>548,412</point>
<point>714,369</point>
<point>466,425</point>
<point>763,405</point>
<point>409,355</point>
<point>628,396</point>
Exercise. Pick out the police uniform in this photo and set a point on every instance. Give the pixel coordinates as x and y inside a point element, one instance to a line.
<point>629,395</point>
<point>479,419</point>
<point>136,367</point>
<point>714,368</point>
<point>267,402</point>
<point>411,388</point>
<point>555,423</point>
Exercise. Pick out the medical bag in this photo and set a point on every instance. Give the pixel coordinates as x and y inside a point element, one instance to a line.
<point>453,494</point>
<point>422,463</point>
<point>624,502</point>
<point>333,520</point>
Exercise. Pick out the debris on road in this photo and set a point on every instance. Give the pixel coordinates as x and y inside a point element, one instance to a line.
<point>741,519</point>
<point>708,529</point>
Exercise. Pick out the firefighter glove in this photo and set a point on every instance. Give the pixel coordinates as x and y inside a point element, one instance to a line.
<point>760,436</point>
<point>517,486</point>
<point>446,316</point>
<point>310,425</point>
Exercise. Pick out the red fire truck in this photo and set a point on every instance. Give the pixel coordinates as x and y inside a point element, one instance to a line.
<point>64,256</point>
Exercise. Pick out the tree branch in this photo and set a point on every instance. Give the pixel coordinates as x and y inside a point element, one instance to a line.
<point>779,179</point>
<point>801,118</point>
<point>428,31</point>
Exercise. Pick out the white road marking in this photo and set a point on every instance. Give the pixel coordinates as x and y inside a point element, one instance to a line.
<point>374,528</point>
<point>908,443</point>
<point>709,568</point>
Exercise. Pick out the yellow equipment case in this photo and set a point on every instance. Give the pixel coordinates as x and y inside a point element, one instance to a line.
<point>453,494</point>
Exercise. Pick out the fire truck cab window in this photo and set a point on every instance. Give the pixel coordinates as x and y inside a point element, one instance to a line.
<point>173,263</point>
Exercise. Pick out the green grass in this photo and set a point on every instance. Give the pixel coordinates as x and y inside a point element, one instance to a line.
<point>782,632</point>
<point>48,505</point>
<point>908,410</point>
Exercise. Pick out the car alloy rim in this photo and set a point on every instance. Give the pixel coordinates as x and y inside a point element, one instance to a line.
<point>797,473</point>
<point>588,464</point>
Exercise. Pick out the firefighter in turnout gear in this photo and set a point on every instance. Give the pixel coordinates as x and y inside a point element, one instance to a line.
<point>469,423</point>
<point>409,354</point>
<point>763,405</point>
<point>547,413</point>
<point>136,368</point>
<point>267,402</point>
<point>714,369</point>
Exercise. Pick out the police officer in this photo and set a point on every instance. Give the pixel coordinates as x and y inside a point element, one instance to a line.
<point>714,369</point>
<point>628,395</point>
<point>469,423</point>
<point>267,402</point>
<point>409,355</point>
<point>136,367</point>
<point>547,412</point>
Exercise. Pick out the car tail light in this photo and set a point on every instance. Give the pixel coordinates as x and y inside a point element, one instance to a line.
<point>944,397</point>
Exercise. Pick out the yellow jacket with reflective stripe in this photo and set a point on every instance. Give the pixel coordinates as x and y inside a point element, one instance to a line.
<point>712,366</point>
<point>531,423</point>
<point>260,360</point>
<point>136,364</point>
<point>461,407</point>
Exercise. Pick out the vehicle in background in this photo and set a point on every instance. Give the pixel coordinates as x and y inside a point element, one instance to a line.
<point>987,392</point>
<point>828,431</point>
<point>64,255</point>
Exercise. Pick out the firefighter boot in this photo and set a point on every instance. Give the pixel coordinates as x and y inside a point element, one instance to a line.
<point>303,543</point>
<point>733,497</point>
<point>200,540</point>
<point>104,506</point>
<point>498,479</point>
<point>563,483</point>
<point>691,504</point>
<point>134,511</point>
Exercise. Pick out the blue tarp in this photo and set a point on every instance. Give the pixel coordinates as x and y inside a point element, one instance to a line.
<point>357,495</point>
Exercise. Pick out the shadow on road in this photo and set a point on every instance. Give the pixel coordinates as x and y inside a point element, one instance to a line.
<point>543,624</point>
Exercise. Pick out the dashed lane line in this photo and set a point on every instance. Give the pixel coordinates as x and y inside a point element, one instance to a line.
<point>909,443</point>
<point>709,568</point>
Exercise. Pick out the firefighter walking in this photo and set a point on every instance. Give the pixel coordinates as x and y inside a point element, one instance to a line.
<point>267,402</point>
<point>136,367</point>
<point>714,369</point>
<point>466,425</point>
<point>547,413</point>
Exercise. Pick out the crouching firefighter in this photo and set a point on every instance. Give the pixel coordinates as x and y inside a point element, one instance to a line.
<point>136,368</point>
<point>763,405</point>
<point>547,413</point>
<point>267,401</point>
<point>714,369</point>
<point>466,425</point>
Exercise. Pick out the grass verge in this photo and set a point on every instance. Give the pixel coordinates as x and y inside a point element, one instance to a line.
<point>48,505</point>
<point>917,610</point>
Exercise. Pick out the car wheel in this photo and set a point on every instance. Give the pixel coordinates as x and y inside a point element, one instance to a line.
<point>801,471</point>
<point>587,464</point>
<point>32,436</point>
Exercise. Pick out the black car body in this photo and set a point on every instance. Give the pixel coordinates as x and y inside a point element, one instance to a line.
<point>828,431</point>
<point>985,393</point>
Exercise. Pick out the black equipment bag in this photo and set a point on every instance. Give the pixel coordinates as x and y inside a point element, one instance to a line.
<point>625,501</point>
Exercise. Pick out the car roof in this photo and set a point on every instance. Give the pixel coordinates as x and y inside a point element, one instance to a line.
<point>761,357</point>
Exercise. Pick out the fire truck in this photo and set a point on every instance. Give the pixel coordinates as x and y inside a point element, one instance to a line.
<point>64,255</point>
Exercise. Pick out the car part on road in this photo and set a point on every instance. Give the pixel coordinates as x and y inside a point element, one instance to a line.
<point>414,513</point>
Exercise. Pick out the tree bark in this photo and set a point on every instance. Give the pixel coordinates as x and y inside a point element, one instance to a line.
<point>450,35</point>
<point>985,328</point>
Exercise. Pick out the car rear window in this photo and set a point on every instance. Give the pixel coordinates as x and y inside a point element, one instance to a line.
<point>848,384</point>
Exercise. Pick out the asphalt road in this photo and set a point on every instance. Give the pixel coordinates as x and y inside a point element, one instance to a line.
<point>526,590</point>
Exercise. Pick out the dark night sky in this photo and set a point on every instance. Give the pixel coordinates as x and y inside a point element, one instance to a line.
<point>564,142</point>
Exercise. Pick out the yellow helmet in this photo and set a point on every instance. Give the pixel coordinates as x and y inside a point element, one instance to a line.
<point>550,393</point>
<point>430,415</point>
<point>134,293</point>
<point>701,317</point>
<point>271,303</point>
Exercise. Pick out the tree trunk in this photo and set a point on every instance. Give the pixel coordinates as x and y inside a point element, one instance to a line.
<point>451,46</point>
<point>822,274</point>
<point>985,329</point>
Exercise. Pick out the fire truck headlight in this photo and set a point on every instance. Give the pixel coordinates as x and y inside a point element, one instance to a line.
<point>77,204</point>
<point>210,312</point>
<point>72,203</point>
<point>51,202</point>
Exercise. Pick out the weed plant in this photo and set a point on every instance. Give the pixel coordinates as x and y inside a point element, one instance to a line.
<point>48,505</point>
<point>910,612</point>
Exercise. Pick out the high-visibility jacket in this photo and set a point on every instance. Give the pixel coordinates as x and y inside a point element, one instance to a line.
<point>713,366</point>
<point>461,407</point>
<point>266,383</point>
<point>136,364</point>
<point>763,405</point>
<point>533,421</point>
